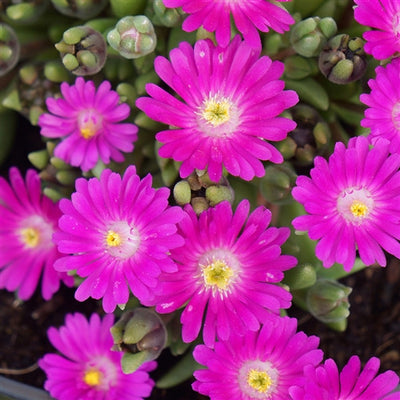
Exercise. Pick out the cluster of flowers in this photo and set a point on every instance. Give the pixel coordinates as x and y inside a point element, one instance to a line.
<point>224,266</point>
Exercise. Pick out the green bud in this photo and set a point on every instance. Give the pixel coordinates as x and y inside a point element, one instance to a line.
<point>121,8</point>
<point>343,60</point>
<point>12,100</point>
<point>287,147</point>
<point>83,9</point>
<point>53,194</point>
<point>169,17</point>
<point>277,183</point>
<point>9,49</point>
<point>59,164</point>
<point>297,67</point>
<point>83,50</point>
<point>26,11</point>
<point>308,37</point>
<point>199,204</point>
<point>328,301</point>
<point>133,37</point>
<point>39,159</point>
<point>300,277</point>
<point>127,94</point>
<point>54,71</point>
<point>139,331</point>
<point>182,193</point>
<point>217,193</point>
<point>67,177</point>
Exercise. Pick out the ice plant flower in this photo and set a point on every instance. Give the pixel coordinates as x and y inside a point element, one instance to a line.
<point>117,232</point>
<point>383,113</point>
<point>325,382</point>
<point>353,202</point>
<point>87,367</point>
<point>215,16</point>
<point>229,110</point>
<point>257,365</point>
<point>227,272</point>
<point>88,123</point>
<point>383,16</point>
<point>28,220</point>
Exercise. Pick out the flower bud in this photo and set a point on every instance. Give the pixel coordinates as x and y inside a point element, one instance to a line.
<point>277,183</point>
<point>328,301</point>
<point>83,50</point>
<point>9,49</point>
<point>310,35</point>
<point>301,277</point>
<point>343,59</point>
<point>83,9</point>
<point>25,11</point>
<point>182,193</point>
<point>141,335</point>
<point>133,37</point>
<point>217,193</point>
<point>169,17</point>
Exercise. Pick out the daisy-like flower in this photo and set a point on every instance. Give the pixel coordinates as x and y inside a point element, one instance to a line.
<point>353,202</point>
<point>88,368</point>
<point>88,123</point>
<point>227,271</point>
<point>118,232</point>
<point>383,113</point>
<point>384,16</point>
<point>28,220</point>
<point>325,382</point>
<point>229,107</point>
<point>250,15</point>
<point>258,365</point>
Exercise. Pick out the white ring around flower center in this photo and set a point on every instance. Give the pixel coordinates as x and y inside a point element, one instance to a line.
<point>121,240</point>
<point>217,116</point>
<point>218,271</point>
<point>258,379</point>
<point>355,205</point>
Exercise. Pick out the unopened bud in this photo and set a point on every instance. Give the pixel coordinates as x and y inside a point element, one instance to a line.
<point>83,50</point>
<point>343,60</point>
<point>328,301</point>
<point>141,335</point>
<point>182,193</point>
<point>301,277</point>
<point>169,17</point>
<point>133,36</point>
<point>309,36</point>
<point>9,48</point>
<point>83,9</point>
<point>217,193</point>
<point>25,11</point>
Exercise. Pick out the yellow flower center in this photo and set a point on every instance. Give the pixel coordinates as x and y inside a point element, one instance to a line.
<point>359,209</point>
<point>88,130</point>
<point>113,239</point>
<point>217,274</point>
<point>216,112</point>
<point>259,380</point>
<point>92,377</point>
<point>30,236</point>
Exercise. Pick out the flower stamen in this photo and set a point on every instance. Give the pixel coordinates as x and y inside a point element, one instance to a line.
<point>259,380</point>
<point>359,209</point>
<point>216,112</point>
<point>217,274</point>
<point>92,377</point>
<point>113,239</point>
<point>30,237</point>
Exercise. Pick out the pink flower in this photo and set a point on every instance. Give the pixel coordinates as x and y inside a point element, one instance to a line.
<point>88,123</point>
<point>28,220</point>
<point>250,15</point>
<point>118,233</point>
<point>227,272</point>
<point>88,368</point>
<point>384,16</point>
<point>383,113</point>
<point>229,110</point>
<point>258,365</point>
<point>353,203</point>
<point>325,383</point>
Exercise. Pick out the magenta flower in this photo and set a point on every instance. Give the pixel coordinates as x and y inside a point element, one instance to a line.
<point>227,271</point>
<point>28,220</point>
<point>215,16</point>
<point>353,202</point>
<point>257,365</point>
<point>325,382</point>
<point>118,232</point>
<point>383,114</point>
<point>88,368</point>
<point>88,123</point>
<point>229,110</point>
<point>384,16</point>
